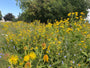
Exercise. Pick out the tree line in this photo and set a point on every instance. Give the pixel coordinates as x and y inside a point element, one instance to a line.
<point>44,10</point>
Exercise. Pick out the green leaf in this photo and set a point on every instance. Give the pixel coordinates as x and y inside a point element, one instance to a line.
<point>88,60</point>
<point>84,53</point>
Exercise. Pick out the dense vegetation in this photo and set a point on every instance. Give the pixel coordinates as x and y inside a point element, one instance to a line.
<point>44,10</point>
<point>0,15</point>
<point>64,44</point>
<point>9,17</point>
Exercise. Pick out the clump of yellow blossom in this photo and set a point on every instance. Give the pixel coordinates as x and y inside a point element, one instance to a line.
<point>26,58</point>
<point>45,58</point>
<point>69,29</point>
<point>32,55</point>
<point>13,59</point>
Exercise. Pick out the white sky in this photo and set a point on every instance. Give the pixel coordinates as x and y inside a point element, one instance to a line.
<point>88,15</point>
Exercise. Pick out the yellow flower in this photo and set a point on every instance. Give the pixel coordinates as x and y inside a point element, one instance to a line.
<point>79,44</point>
<point>72,13</point>
<point>71,62</point>
<point>82,41</point>
<point>25,48</point>
<point>47,52</point>
<point>79,65</point>
<point>76,13</point>
<point>48,39</point>
<point>67,18</point>
<point>82,13</point>
<point>45,58</point>
<point>32,55</point>
<point>62,26</point>
<point>21,63</point>
<point>77,17</point>
<point>85,46</point>
<point>44,45</point>
<point>70,67</point>
<point>69,29</point>
<point>36,47</point>
<point>80,16</point>
<point>53,42</point>
<point>78,29</point>
<point>88,36</point>
<point>75,23</point>
<point>28,65</point>
<point>26,58</point>
<point>69,14</point>
<point>85,32</point>
<point>13,60</point>
<point>31,48</point>
<point>49,47</point>
<point>56,39</point>
<point>59,42</point>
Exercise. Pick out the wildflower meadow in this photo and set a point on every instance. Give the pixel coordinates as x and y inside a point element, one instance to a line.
<point>63,44</point>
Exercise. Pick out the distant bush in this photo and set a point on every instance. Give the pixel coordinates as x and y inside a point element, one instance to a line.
<point>9,17</point>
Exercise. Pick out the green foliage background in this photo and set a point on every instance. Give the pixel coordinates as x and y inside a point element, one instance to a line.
<point>50,9</point>
<point>0,15</point>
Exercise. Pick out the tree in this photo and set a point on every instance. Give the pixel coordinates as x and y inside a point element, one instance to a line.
<point>9,17</point>
<point>50,9</point>
<point>20,17</point>
<point>0,16</point>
